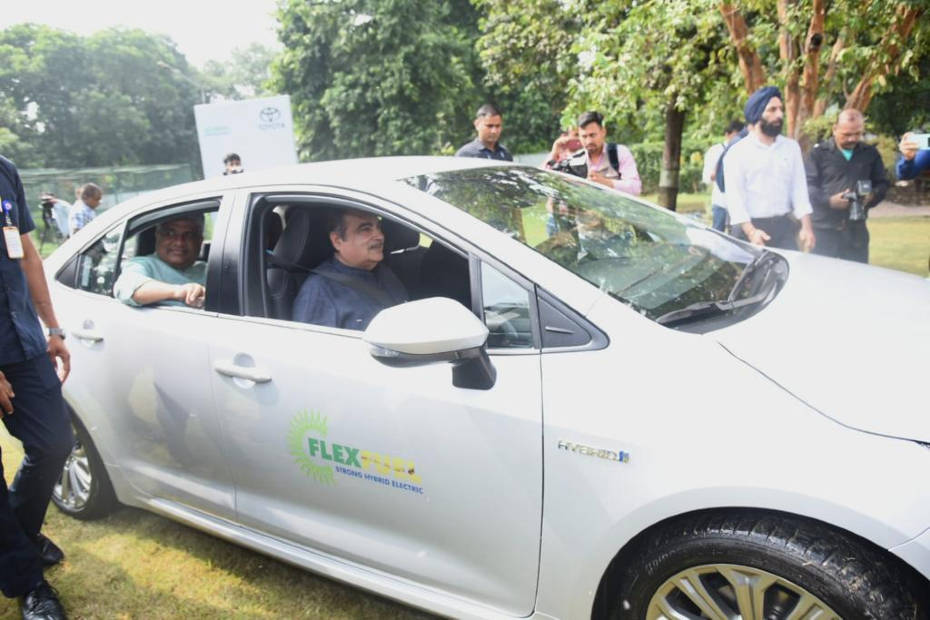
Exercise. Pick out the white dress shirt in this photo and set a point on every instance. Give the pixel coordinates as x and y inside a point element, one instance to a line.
<point>765,180</point>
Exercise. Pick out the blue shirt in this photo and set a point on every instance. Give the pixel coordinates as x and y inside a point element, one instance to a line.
<point>909,169</point>
<point>21,335</point>
<point>142,269</point>
<point>476,148</point>
<point>323,301</point>
<point>79,216</point>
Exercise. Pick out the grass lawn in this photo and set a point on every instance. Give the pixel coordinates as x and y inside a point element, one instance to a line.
<point>901,243</point>
<point>134,564</point>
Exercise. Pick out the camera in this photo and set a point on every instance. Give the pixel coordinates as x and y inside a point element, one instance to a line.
<point>576,165</point>
<point>856,198</point>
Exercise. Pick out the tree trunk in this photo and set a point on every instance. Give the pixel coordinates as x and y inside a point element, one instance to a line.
<point>811,81</point>
<point>671,156</point>
<point>788,52</point>
<point>749,62</point>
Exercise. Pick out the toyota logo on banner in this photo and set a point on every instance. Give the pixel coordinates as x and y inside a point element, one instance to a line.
<point>270,118</point>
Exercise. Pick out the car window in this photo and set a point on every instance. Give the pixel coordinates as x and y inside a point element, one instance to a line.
<point>506,307</point>
<point>295,246</point>
<point>97,267</point>
<point>163,246</point>
<point>663,265</point>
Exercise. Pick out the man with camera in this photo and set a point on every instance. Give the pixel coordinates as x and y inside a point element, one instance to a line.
<point>607,163</point>
<point>845,178</point>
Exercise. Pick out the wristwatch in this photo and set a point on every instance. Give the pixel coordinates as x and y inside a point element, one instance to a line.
<point>56,331</point>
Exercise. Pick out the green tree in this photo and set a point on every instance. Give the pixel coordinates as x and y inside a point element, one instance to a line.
<point>373,77</point>
<point>825,54</point>
<point>117,97</point>
<point>246,74</point>
<point>648,63</point>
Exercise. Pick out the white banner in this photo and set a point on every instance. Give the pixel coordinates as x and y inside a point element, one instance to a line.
<point>260,131</point>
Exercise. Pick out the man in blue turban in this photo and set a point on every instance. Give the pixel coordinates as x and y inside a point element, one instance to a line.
<point>765,180</point>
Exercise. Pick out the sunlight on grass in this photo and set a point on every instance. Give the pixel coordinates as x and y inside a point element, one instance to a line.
<point>901,243</point>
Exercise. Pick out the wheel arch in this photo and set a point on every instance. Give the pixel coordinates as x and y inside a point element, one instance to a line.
<point>612,574</point>
<point>114,475</point>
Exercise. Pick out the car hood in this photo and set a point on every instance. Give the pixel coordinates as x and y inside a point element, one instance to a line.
<point>850,340</point>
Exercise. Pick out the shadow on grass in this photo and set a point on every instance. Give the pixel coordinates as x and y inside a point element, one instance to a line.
<point>135,564</point>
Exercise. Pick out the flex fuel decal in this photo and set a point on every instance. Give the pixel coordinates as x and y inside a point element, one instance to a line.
<point>321,457</point>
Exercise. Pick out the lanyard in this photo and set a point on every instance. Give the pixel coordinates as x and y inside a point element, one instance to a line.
<point>7,207</point>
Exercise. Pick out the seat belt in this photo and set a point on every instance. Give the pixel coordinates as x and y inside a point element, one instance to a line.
<point>364,288</point>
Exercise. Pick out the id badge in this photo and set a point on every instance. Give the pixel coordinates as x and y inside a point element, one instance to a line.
<point>14,243</point>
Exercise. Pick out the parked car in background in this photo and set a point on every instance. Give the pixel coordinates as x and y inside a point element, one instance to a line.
<point>630,416</point>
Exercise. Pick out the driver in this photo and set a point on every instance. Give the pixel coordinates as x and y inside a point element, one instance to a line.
<point>171,276</point>
<point>350,288</point>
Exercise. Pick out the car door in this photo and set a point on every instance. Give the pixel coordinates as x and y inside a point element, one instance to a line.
<point>390,468</point>
<point>141,378</point>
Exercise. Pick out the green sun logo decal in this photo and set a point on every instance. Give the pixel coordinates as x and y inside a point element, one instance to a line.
<point>308,423</point>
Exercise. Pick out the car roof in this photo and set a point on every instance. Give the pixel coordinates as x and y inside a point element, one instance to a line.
<point>356,173</point>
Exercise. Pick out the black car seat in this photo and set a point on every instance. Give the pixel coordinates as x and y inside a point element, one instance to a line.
<point>145,242</point>
<point>304,244</point>
<point>403,254</point>
<point>444,273</point>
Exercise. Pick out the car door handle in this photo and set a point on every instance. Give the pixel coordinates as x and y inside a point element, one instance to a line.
<point>241,372</point>
<point>87,334</point>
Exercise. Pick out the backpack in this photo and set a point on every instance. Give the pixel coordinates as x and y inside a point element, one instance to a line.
<point>577,162</point>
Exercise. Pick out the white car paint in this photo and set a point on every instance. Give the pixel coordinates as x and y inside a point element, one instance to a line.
<point>510,515</point>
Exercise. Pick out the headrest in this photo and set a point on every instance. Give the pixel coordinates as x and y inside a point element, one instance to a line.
<point>304,240</point>
<point>273,228</point>
<point>145,242</point>
<point>397,236</point>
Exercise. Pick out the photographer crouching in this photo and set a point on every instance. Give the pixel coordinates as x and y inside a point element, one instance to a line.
<point>845,178</point>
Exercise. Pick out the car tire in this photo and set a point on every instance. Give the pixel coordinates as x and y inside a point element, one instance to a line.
<point>83,490</point>
<point>713,566</point>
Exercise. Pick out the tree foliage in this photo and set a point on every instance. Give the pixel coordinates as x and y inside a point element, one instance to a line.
<point>630,59</point>
<point>825,54</point>
<point>246,74</point>
<point>117,97</point>
<point>376,77</point>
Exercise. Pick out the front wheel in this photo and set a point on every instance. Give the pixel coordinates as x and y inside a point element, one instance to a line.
<point>760,566</point>
<point>83,489</point>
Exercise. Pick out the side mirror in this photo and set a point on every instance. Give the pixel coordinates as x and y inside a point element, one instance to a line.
<point>432,330</point>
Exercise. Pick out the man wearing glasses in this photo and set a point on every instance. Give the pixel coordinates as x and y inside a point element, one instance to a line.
<point>845,178</point>
<point>171,276</point>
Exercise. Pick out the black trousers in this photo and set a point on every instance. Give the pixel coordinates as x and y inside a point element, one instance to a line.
<point>783,231</point>
<point>850,243</point>
<point>40,421</point>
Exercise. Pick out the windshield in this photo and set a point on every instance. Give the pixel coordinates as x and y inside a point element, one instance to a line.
<point>652,259</point>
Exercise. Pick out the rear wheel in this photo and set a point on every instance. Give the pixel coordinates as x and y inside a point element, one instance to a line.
<point>765,567</point>
<point>83,489</point>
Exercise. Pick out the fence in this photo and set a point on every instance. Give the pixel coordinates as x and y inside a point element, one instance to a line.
<point>118,183</point>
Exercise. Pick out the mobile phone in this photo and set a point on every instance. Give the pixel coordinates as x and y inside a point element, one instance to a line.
<point>922,140</point>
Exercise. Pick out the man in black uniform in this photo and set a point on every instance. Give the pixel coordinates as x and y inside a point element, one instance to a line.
<point>835,169</point>
<point>488,124</point>
<point>31,406</point>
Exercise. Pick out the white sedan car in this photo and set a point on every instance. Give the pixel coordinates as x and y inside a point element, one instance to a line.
<point>591,406</point>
